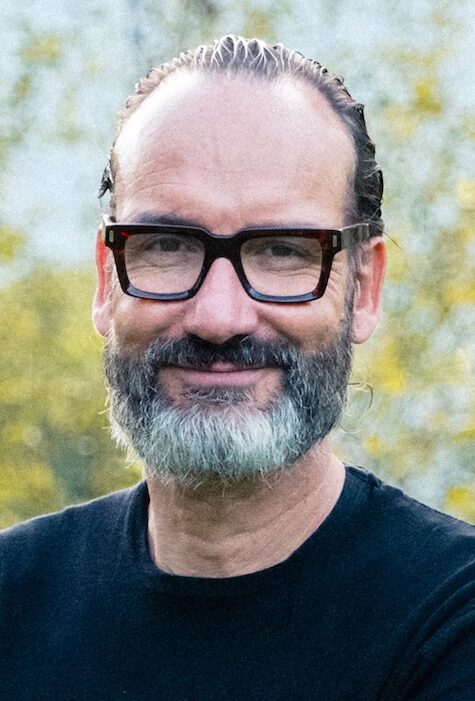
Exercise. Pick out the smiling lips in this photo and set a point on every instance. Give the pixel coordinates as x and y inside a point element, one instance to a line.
<point>221,374</point>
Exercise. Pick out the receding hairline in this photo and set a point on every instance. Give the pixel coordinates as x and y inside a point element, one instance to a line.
<point>240,76</point>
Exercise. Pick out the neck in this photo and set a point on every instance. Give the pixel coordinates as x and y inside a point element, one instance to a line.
<point>225,531</point>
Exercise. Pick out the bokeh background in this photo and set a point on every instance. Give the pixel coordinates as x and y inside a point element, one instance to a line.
<point>67,68</point>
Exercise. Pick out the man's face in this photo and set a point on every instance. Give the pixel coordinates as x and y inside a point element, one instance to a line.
<point>227,154</point>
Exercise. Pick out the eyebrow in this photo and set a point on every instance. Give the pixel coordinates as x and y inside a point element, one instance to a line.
<point>173,219</point>
<point>170,218</point>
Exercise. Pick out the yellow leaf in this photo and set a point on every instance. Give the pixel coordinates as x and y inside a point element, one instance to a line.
<point>11,242</point>
<point>426,98</point>
<point>373,446</point>
<point>42,49</point>
<point>463,293</point>
<point>467,434</point>
<point>460,501</point>
<point>388,372</point>
<point>466,194</point>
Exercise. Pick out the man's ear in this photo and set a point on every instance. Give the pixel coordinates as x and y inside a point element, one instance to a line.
<point>368,290</point>
<point>101,307</point>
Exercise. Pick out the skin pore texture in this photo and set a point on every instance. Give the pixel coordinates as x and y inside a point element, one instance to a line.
<point>226,153</point>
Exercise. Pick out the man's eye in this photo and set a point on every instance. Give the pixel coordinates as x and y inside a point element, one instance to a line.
<point>165,244</point>
<point>282,250</point>
<point>277,249</point>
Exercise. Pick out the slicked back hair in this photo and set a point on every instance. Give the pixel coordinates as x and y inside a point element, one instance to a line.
<point>234,55</point>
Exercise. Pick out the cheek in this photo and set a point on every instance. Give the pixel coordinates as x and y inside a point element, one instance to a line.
<point>312,324</point>
<point>138,322</point>
<point>309,325</point>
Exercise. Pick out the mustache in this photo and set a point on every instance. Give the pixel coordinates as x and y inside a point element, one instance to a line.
<point>194,353</point>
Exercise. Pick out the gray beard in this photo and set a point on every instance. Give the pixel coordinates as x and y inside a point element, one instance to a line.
<point>218,434</point>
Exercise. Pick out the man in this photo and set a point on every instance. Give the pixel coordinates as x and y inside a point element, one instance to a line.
<point>241,257</point>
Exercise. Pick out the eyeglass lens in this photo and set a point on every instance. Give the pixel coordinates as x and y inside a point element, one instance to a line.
<point>170,263</point>
<point>163,263</point>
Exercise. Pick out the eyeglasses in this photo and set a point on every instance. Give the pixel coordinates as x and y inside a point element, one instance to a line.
<point>168,262</point>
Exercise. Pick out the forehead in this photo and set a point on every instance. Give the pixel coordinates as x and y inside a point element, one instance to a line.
<point>245,142</point>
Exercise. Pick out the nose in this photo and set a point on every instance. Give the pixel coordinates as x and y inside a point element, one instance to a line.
<point>221,309</point>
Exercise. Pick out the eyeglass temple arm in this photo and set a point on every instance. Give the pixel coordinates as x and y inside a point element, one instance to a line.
<point>351,236</point>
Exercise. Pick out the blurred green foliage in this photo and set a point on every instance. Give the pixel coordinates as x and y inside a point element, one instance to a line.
<point>55,444</point>
<point>419,429</point>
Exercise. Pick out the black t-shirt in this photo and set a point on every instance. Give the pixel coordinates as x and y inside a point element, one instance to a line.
<point>377,604</point>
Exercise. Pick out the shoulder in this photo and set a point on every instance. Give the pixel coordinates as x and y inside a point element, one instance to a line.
<point>412,539</point>
<point>421,564</point>
<point>46,539</point>
<point>398,512</point>
<point>107,506</point>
